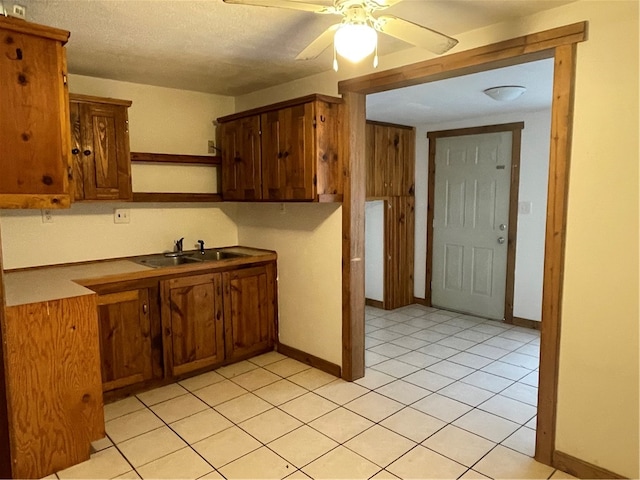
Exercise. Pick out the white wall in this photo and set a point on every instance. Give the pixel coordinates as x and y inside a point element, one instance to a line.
<point>309,270</point>
<point>374,250</point>
<point>597,415</point>
<point>161,120</point>
<point>534,167</point>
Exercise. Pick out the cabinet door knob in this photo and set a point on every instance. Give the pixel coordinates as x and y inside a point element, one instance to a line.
<point>144,308</point>
<point>75,151</point>
<point>87,153</point>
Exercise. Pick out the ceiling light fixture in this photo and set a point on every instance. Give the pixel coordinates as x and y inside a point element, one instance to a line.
<point>505,93</point>
<point>355,38</point>
<point>355,41</point>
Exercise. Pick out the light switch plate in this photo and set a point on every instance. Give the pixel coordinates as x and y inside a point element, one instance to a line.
<point>524,208</point>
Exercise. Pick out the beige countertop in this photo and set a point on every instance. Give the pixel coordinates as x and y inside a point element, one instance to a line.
<point>52,283</point>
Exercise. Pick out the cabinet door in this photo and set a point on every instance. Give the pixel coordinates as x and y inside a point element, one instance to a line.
<point>125,338</point>
<point>192,323</point>
<point>241,174</point>
<point>288,153</point>
<point>34,120</point>
<point>249,311</point>
<point>104,154</point>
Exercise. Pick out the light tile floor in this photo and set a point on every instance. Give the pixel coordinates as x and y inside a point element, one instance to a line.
<point>445,395</point>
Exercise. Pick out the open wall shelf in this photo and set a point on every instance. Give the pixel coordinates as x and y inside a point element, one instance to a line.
<point>165,158</point>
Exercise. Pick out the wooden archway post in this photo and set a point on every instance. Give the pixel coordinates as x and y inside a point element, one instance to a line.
<point>558,43</point>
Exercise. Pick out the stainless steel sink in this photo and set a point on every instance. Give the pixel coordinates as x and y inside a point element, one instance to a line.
<point>157,261</point>
<point>215,255</point>
<point>183,258</point>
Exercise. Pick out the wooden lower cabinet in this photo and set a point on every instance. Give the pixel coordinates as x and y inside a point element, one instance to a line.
<point>125,338</point>
<point>153,331</point>
<point>249,311</point>
<point>192,323</point>
<point>217,318</point>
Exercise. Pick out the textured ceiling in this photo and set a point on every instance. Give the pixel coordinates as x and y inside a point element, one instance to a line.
<point>210,46</point>
<point>463,97</point>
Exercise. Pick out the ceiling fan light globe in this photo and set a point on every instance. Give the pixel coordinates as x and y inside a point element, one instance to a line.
<point>355,42</point>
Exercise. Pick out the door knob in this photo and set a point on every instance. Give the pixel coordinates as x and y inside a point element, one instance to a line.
<point>501,240</point>
<point>503,227</point>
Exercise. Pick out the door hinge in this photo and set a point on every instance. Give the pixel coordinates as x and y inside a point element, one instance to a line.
<point>64,79</point>
<point>315,180</point>
<point>315,122</point>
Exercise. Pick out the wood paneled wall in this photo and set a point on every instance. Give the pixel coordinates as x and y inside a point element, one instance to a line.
<point>390,175</point>
<point>399,239</point>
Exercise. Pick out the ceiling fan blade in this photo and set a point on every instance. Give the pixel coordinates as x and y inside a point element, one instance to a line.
<point>415,34</point>
<point>291,4</point>
<point>320,44</point>
<point>381,4</point>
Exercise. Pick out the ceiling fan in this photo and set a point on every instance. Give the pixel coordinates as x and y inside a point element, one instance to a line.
<point>355,37</point>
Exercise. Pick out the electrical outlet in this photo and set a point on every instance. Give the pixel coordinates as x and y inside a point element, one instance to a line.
<point>47,216</point>
<point>19,11</point>
<point>211,146</point>
<point>121,215</point>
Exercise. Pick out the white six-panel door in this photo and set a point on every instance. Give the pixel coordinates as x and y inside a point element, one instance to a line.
<point>471,211</point>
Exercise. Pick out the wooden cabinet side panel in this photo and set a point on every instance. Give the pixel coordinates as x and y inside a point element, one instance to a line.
<point>54,387</point>
<point>33,122</point>
<point>329,161</point>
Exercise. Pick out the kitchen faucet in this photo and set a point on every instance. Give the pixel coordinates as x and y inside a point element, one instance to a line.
<point>179,245</point>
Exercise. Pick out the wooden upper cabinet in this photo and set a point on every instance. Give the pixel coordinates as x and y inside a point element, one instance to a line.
<point>100,148</point>
<point>34,116</point>
<point>249,311</point>
<point>125,338</point>
<point>390,160</point>
<point>192,323</point>
<point>241,174</point>
<point>297,156</point>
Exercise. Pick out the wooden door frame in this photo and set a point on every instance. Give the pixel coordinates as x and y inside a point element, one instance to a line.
<point>559,44</point>
<point>512,222</point>
<point>5,442</point>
